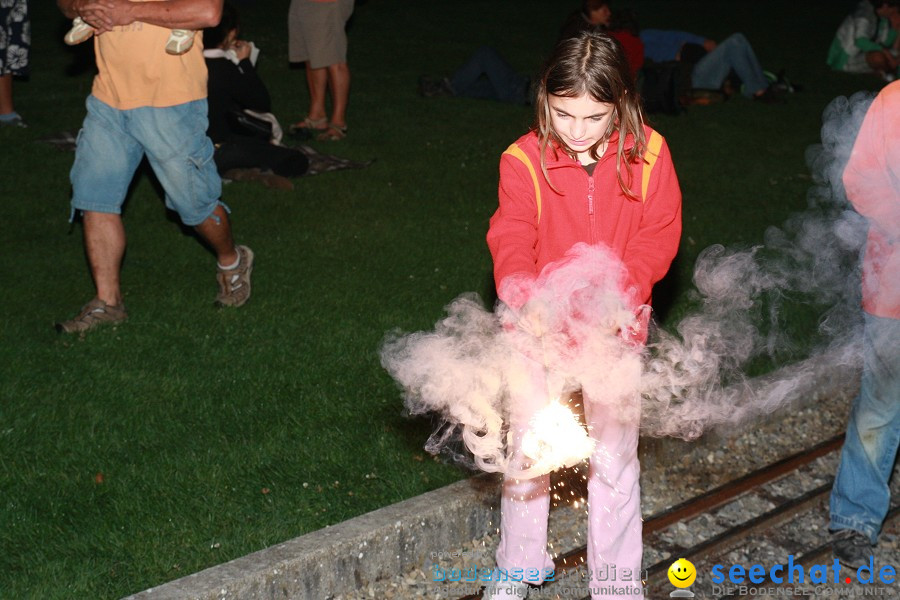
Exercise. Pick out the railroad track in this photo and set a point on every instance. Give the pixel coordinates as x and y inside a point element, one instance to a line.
<point>755,486</point>
<point>819,555</point>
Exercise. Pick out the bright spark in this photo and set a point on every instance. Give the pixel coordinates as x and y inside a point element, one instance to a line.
<point>556,439</point>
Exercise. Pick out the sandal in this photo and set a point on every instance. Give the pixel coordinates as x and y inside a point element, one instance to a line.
<point>305,128</point>
<point>333,133</point>
<point>93,314</point>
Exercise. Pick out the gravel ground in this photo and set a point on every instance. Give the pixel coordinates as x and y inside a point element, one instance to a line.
<point>697,467</point>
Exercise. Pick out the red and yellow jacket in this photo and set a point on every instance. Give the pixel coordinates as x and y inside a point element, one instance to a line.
<point>527,232</point>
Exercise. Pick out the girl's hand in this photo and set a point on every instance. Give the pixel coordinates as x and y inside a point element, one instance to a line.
<point>532,319</point>
<point>636,332</point>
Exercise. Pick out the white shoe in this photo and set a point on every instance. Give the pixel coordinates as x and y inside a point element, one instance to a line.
<point>180,41</point>
<point>505,590</point>
<point>80,32</point>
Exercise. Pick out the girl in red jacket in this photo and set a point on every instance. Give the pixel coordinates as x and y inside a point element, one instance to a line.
<point>592,172</point>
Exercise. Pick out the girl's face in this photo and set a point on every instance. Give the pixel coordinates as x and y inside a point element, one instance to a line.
<point>580,123</point>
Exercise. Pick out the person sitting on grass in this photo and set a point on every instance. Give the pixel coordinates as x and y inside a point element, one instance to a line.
<point>867,41</point>
<point>236,94</point>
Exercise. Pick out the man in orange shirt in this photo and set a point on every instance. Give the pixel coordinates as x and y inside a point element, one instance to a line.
<point>146,102</point>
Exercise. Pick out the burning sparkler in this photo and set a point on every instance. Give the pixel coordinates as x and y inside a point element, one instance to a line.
<point>555,439</point>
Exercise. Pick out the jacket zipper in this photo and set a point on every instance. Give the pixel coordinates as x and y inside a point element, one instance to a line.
<point>590,197</point>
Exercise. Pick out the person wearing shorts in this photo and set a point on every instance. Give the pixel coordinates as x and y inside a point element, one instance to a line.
<point>317,37</point>
<point>147,103</point>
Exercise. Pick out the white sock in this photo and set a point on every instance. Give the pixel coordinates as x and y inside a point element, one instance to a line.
<point>231,267</point>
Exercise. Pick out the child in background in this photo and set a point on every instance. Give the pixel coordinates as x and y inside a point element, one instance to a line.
<point>590,153</point>
<point>179,42</point>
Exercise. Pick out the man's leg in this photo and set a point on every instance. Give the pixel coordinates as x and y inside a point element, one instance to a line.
<point>332,52</point>
<point>464,81</point>
<point>6,98</point>
<point>501,82</point>
<point>104,244</point>
<point>216,231</point>
<point>105,161</point>
<point>317,82</point>
<point>744,62</point>
<point>181,155</point>
<point>509,85</point>
<point>734,53</point>
<point>235,263</point>
<point>339,84</point>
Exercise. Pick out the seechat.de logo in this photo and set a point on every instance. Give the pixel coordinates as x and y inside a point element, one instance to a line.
<point>796,573</point>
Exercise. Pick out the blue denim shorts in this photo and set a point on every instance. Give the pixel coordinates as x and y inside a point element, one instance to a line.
<point>112,143</point>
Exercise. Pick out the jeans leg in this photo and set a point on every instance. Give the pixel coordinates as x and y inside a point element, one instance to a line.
<point>860,497</point>
<point>734,53</point>
<point>499,82</point>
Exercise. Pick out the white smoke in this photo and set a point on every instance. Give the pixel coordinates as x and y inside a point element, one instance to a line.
<point>462,370</point>
<point>689,380</point>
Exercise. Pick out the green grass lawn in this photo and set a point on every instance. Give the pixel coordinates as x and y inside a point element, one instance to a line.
<point>190,436</point>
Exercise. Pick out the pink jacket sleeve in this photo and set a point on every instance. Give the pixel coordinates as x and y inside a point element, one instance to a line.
<point>649,253</point>
<point>512,235</point>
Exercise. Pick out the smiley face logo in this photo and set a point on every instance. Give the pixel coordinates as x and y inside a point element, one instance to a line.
<point>682,573</point>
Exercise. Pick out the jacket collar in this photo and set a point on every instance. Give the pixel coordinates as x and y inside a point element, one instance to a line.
<point>555,157</point>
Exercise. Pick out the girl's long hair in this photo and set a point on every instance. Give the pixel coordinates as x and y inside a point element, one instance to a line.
<point>593,64</point>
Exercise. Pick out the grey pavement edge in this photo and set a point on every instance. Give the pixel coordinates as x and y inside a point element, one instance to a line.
<point>340,558</point>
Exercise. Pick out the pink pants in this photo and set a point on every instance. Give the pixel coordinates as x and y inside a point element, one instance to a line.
<point>614,511</point>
